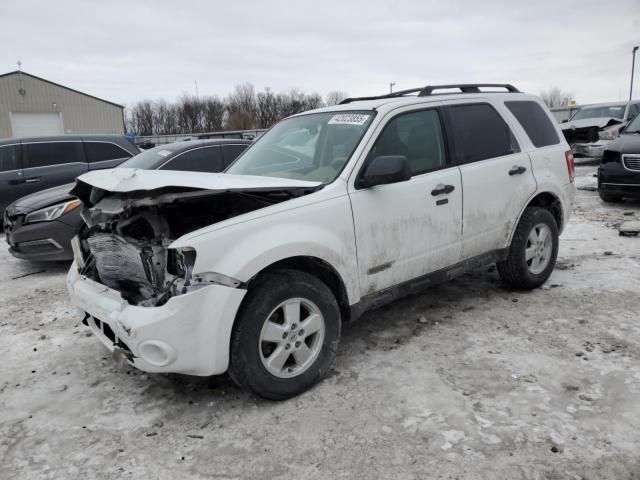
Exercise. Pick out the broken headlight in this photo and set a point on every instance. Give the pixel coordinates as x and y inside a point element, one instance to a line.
<point>609,133</point>
<point>51,213</point>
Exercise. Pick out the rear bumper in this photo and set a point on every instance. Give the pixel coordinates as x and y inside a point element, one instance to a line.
<point>616,180</point>
<point>189,334</point>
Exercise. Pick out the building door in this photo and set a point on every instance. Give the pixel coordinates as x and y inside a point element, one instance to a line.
<point>36,124</point>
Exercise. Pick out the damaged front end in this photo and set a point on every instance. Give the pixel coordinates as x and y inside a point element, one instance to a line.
<point>590,137</point>
<point>126,243</point>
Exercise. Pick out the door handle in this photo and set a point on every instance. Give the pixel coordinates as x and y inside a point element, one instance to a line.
<point>16,182</point>
<point>32,180</point>
<point>517,170</point>
<point>442,189</point>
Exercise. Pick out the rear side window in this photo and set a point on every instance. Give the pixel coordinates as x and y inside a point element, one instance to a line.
<point>9,158</point>
<point>102,151</point>
<point>54,153</point>
<point>231,152</point>
<point>480,133</point>
<point>535,122</point>
<point>207,159</point>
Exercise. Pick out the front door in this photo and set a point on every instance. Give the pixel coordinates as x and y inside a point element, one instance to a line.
<point>405,230</point>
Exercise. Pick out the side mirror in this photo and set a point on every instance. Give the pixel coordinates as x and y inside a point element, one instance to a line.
<point>385,169</point>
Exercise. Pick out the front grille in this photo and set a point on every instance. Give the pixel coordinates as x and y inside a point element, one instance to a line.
<point>631,162</point>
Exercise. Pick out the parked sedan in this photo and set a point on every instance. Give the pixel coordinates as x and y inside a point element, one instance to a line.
<point>619,172</point>
<point>40,226</point>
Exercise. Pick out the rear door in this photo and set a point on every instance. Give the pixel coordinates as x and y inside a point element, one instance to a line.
<point>101,155</point>
<point>11,175</point>
<point>201,159</point>
<point>497,179</point>
<point>48,164</point>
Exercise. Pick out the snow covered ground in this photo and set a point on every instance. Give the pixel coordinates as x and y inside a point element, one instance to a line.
<point>490,384</point>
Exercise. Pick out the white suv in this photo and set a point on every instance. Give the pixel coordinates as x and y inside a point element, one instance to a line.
<point>330,213</point>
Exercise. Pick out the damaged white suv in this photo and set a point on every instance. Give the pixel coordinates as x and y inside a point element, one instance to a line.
<point>330,213</point>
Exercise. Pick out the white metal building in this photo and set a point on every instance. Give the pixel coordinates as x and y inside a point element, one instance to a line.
<point>33,106</point>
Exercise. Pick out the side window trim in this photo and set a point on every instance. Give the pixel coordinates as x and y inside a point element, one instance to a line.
<point>455,156</point>
<point>448,158</point>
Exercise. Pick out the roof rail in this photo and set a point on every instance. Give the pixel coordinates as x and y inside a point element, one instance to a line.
<point>429,90</point>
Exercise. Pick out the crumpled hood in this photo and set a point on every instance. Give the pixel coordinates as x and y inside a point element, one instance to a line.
<point>43,198</point>
<point>132,179</point>
<point>591,122</point>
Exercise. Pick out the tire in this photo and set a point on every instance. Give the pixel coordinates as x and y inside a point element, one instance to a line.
<point>609,198</point>
<point>258,345</point>
<point>525,274</point>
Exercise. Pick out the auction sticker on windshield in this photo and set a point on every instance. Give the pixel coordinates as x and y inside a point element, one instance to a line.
<point>349,119</point>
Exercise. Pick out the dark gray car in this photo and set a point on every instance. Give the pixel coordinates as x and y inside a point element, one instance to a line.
<point>32,164</point>
<point>40,226</point>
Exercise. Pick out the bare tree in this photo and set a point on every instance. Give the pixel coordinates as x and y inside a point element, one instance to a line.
<point>554,97</point>
<point>334,97</point>
<point>243,100</point>
<point>212,114</point>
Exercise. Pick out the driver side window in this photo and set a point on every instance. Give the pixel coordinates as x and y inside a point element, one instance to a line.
<point>417,136</point>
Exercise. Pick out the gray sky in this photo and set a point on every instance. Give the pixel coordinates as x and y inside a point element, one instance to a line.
<point>128,50</point>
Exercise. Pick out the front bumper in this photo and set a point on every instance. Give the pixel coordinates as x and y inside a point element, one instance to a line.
<point>42,240</point>
<point>616,180</point>
<point>190,334</point>
<point>590,149</point>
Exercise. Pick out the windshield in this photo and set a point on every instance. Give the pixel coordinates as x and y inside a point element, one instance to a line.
<point>149,158</point>
<point>313,147</point>
<point>603,111</point>
<point>634,126</point>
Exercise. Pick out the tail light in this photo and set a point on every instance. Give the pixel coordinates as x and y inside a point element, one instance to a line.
<point>571,166</point>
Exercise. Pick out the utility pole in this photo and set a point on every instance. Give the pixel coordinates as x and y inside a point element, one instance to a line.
<point>196,82</point>
<point>391,85</point>
<point>633,64</point>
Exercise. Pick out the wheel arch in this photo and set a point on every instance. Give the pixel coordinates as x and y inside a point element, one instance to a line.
<point>549,201</point>
<point>320,269</point>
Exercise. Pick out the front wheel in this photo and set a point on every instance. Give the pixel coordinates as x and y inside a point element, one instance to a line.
<point>286,335</point>
<point>533,251</point>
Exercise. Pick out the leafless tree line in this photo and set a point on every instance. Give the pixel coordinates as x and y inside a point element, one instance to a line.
<point>243,109</point>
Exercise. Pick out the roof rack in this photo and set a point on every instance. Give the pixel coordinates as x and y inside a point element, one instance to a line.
<point>429,90</point>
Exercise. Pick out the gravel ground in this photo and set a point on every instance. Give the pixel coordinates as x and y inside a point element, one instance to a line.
<point>468,380</point>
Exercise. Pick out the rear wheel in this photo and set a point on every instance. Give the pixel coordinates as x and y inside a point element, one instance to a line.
<point>533,251</point>
<point>607,197</point>
<point>286,335</point>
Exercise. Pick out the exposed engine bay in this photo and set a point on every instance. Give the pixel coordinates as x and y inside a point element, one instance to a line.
<point>125,243</point>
